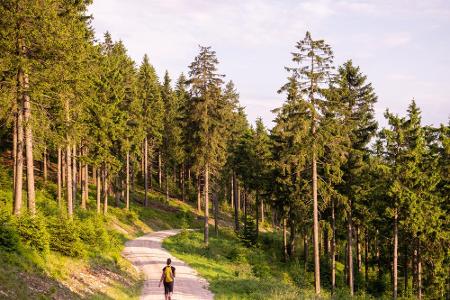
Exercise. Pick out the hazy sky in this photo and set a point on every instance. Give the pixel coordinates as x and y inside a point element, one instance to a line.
<point>403,46</point>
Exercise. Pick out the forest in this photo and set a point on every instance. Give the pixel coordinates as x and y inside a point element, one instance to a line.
<point>362,208</point>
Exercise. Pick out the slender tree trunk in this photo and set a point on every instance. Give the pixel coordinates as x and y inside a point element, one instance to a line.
<point>105,188</point>
<point>316,225</point>
<point>216,214</point>
<point>358,250</point>
<point>377,254</point>
<point>145,172</point>
<point>206,237</point>
<point>326,243</point>
<point>31,196</point>
<point>262,210</point>
<point>285,250</point>
<point>232,194</point>
<point>18,196</point>
<point>414,267</point>
<point>292,238</point>
<point>350,253</point>
<point>333,247</point>
<point>306,250</point>
<point>44,161</point>
<point>366,260</point>
<point>395,258</point>
<point>167,183</point>
<point>159,169</point>
<point>94,175</point>
<point>245,207</point>
<point>59,179</point>
<point>150,173</point>
<point>127,183</point>
<point>199,194</point>
<point>69,193</point>
<point>257,213</point>
<point>238,188</point>
<point>236,202</point>
<point>419,271</point>
<point>14,149</point>
<point>98,186</point>
<point>83,175</point>
<point>75,174</point>
<point>405,270</point>
<point>183,184</point>
<point>63,168</point>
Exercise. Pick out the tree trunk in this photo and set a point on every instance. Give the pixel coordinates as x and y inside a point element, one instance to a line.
<point>145,172</point>
<point>127,183</point>
<point>366,260</point>
<point>377,254</point>
<point>232,194</point>
<point>405,270</point>
<point>306,250</point>
<point>106,192</point>
<point>358,250</point>
<point>257,213</point>
<point>167,183</point>
<point>350,252</point>
<point>84,184</point>
<point>285,251</point>
<point>183,184</point>
<point>206,237</point>
<point>333,247</point>
<point>199,194</point>
<point>216,214</point>
<point>98,177</point>
<point>74,176</point>
<point>262,210</point>
<point>44,161</point>
<point>419,271</point>
<point>63,168</point>
<point>18,196</point>
<point>58,177</point>
<point>236,202</point>
<point>69,193</point>
<point>150,174</point>
<point>14,149</point>
<point>395,258</point>
<point>315,225</point>
<point>326,243</point>
<point>159,169</point>
<point>31,196</point>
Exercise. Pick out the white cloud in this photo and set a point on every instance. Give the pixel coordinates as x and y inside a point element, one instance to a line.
<point>397,39</point>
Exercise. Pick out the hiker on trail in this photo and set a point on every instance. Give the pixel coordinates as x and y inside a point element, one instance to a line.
<point>168,277</point>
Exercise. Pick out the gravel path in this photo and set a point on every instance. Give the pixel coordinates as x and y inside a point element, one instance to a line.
<point>147,254</point>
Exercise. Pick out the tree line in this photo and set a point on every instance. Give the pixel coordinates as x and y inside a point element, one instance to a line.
<point>374,200</point>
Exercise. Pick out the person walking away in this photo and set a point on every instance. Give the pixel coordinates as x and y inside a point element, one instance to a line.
<point>168,277</point>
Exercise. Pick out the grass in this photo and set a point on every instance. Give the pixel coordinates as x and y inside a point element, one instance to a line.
<point>96,270</point>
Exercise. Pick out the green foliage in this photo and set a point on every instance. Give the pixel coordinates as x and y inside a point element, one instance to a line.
<point>9,238</point>
<point>65,237</point>
<point>33,232</point>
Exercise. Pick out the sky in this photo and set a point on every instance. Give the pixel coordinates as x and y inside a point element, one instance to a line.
<point>403,46</point>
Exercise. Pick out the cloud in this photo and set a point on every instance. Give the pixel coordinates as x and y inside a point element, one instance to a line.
<point>397,39</point>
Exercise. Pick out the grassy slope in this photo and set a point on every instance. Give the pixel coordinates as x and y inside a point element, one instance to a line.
<point>237,272</point>
<point>98,273</point>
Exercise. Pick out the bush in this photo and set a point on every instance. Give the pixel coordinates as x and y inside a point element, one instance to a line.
<point>92,232</point>
<point>65,237</point>
<point>9,238</point>
<point>33,232</point>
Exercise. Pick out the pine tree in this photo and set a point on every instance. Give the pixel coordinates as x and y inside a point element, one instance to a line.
<point>312,72</point>
<point>205,119</point>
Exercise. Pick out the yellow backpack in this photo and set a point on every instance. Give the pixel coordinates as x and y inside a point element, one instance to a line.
<point>168,276</point>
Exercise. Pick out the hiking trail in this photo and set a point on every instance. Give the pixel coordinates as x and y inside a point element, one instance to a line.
<point>146,254</point>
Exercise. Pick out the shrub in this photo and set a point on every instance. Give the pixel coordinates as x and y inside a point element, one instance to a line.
<point>64,237</point>
<point>9,238</point>
<point>92,232</point>
<point>33,232</point>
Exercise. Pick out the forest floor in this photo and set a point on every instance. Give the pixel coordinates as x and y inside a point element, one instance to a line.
<point>146,254</point>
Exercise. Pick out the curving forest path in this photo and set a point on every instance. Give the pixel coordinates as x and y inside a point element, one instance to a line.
<point>146,254</point>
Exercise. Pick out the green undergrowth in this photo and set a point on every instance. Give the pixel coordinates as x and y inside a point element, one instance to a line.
<point>50,255</point>
<point>236,271</point>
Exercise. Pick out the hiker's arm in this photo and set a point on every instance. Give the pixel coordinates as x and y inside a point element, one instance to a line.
<point>162,278</point>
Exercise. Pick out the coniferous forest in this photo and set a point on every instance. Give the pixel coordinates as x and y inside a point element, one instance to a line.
<point>362,209</point>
